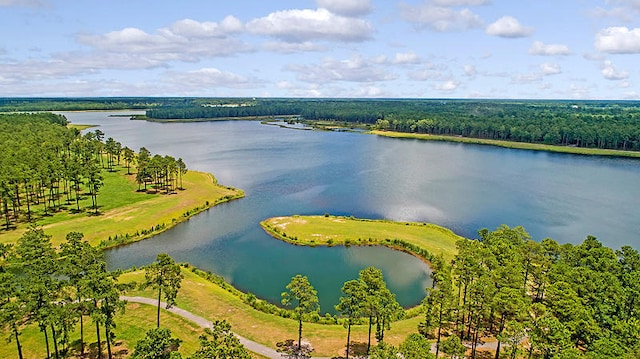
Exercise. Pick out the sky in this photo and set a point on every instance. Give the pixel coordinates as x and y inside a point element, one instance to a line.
<point>507,49</point>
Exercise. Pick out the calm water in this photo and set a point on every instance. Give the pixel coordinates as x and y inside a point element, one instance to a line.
<point>286,171</point>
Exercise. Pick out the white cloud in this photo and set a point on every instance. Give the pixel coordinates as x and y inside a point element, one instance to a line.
<point>440,18</point>
<point>346,7</point>
<point>193,29</point>
<point>291,47</point>
<point>430,72</point>
<point>618,40</point>
<point>610,73</point>
<point>23,3</point>
<point>540,48</point>
<point>550,69</point>
<point>447,86</point>
<point>470,70</point>
<point>369,91</point>
<point>207,78</point>
<point>509,27</point>
<point>406,58</point>
<point>461,2</point>
<point>355,69</point>
<point>633,4</point>
<point>307,25</point>
<point>527,78</point>
<point>185,40</point>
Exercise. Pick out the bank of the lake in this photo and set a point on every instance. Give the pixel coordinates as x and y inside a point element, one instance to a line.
<point>511,144</point>
<point>422,239</point>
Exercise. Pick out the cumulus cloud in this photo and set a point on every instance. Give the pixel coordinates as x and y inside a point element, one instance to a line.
<point>185,40</point>
<point>611,73</point>
<point>406,58</point>
<point>618,40</point>
<point>193,29</point>
<point>461,2</point>
<point>346,7</point>
<point>633,4</point>
<point>550,69</point>
<point>209,77</point>
<point>430,72</point>
<point>355,69</point>
<point>447,86</point>
<point>470,70</point>
<point>540,48</point>
<point>439,18</point>
<point>291,47</point>
<point>23,3</point>
<point>306,25</point>
<point>509,27</point>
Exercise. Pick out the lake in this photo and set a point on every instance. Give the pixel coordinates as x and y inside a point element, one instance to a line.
<point>288,171</point>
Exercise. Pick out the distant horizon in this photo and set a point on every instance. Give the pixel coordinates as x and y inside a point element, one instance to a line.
<point>449,49</point>
<point>318,98</point>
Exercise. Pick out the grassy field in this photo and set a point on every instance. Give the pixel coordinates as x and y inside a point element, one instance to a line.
<point>210,301</point>
<point>511,144</point>
<point>128,214</point>
<point>331,230</point>
<point>130,328</point>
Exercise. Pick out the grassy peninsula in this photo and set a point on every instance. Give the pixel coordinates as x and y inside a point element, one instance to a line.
<point>127,215</point>
<point>334,230</point>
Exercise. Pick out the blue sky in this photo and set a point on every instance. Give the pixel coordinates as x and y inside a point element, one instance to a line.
<point>549,49</point>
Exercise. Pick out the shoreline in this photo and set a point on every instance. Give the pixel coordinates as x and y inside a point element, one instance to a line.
<point>422,251</point>
<point>583,151</point>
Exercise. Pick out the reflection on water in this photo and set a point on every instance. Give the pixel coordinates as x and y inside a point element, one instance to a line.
<point>286,172</point>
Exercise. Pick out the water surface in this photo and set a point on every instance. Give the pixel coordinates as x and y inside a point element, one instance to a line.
<point>288,171</point>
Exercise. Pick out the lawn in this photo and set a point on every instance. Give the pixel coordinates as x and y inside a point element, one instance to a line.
<point>128,214</point>
<point>130,327</point>
<point>332,230</point>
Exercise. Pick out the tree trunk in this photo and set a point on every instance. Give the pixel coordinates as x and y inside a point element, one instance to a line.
<point>497,336</point>
<point>46,340</point>
<point>81,335</point>
<point>99,342</point>
<point>158,316</point>
<point>300,334</point>
<point>55,341</point>
<point>17,335</point>
<point>107,334</point>
<point>369,337</point>
<point>348,336</point>
<point>439,331</point>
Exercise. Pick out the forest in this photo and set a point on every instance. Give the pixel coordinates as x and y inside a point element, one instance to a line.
<point>541,299</point>
<point>591,124</point>
<point>46,167</point>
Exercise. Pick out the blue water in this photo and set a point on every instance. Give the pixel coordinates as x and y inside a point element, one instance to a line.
<point>287,171</point>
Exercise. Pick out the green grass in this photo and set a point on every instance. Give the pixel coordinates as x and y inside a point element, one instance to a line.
<point>511,144</point>
<point>130,327</point>
<point>123,211</point>
<point>331,230</point>
<point>210,301</point>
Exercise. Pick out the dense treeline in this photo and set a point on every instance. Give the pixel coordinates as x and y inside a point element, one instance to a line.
<point>46,167</point>
<point>611,125</point>
<point>541,299</point>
